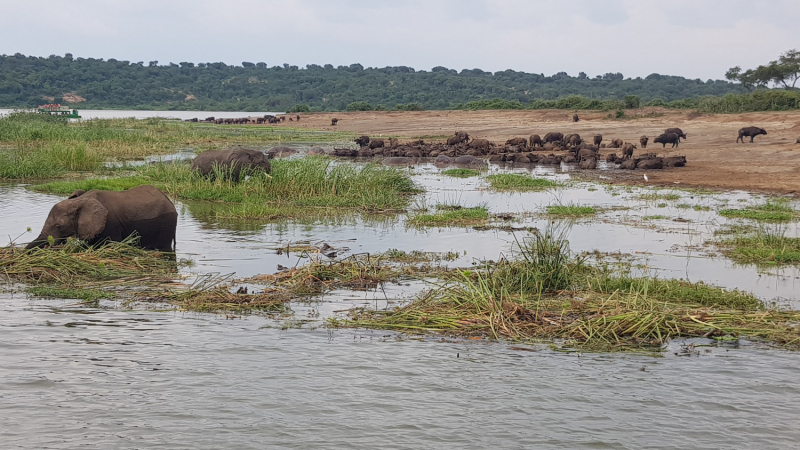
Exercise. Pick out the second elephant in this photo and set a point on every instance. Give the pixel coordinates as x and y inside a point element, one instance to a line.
<point>230,161</point>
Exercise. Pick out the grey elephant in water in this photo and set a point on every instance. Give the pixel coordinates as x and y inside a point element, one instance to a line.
<point>232,161</point>
<point>96,216</point>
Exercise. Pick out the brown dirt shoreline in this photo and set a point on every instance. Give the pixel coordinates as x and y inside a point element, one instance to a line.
<point>715,160</point>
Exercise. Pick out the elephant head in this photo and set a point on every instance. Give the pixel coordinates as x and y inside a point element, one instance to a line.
<point>78,216</point>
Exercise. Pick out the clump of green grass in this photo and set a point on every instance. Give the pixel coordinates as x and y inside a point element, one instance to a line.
<point>655,217</point>
<point>87,295</point>
<point>571,210</point>
<point>589,308</point>
<point>762,248</point>
<point>40,146</point>
<point>461,173</point>
<point>74,262</point>
<point>293,187</point>
<point>701,208</point>
<point>774,210</point>
<point>518,182</point>
<point>654,196</point>
<point>451,216</point>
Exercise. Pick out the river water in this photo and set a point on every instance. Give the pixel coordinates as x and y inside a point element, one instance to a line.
<point>110,378</point>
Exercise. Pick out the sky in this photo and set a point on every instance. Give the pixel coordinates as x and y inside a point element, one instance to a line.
<point>691,38</point>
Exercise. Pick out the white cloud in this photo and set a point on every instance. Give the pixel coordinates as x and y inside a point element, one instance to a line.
<point>678,37</point>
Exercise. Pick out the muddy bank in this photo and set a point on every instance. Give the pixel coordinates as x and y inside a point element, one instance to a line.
<point>770,164</point>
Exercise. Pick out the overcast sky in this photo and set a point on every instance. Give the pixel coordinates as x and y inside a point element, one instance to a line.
<point>692,38</point>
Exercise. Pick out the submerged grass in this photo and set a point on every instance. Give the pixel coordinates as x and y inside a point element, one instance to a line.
<point>450,216</point>
<point>517,182</point>
<point>295,187</point>
<point>547,294</point>
<point>461,173</point>
<point>571,210</point>
<point>774,210</point>
<point>763,247</point>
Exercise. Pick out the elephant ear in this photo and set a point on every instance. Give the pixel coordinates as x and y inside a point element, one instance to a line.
<point>92,217</point>
<point>77,193</point>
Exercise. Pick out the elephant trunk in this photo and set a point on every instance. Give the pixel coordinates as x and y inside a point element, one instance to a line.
<point>40,241</point>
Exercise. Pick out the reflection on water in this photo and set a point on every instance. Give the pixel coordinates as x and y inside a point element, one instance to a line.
<point>141,379</point>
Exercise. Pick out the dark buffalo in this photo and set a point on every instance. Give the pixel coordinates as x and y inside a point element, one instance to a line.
<point>643,140</point>
<point>553,137</point>
<point>674,161</point>
<point>517,142</point>
<point>598,138</point>
<point>677,131</point>
<point>376,143</point>
<point>751,132</point>
<point>362,141</point>
<point>575,118</point>
<point>668,138</point>
<point>334,121</point>
<point>535,140</point>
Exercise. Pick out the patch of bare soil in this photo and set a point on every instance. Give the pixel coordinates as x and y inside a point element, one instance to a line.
<point>715,160</point>
<point>72,97</point>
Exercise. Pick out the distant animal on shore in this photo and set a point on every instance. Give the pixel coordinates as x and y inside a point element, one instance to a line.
<point>575,118</point>
<point>572,139</point>
<point>616,143</point>
<point>643,140</point>
<point>535,141</point>
<point>598,138</point>
<point>627,151</point>
<point>230,161</point>
<point>517,142</point>
<point>677,131</point>
<point>553,137</point>
<point>481,144</point>
<point>362,141</point>
<point>334,121</point>
<point>376,143</point>
<point>96,216</point>
<point>667,138</point>
<point>750,132</point>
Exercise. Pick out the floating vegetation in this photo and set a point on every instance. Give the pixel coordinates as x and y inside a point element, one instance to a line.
<point>774,210</point>
<point>547,294</point>
<point>448,215</point>
<point>461,173</point>
<point>571,210</point>
<point>517,182</point>
<point>656,195</point>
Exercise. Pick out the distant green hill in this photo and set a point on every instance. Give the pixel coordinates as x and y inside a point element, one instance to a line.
<point>26,81</point>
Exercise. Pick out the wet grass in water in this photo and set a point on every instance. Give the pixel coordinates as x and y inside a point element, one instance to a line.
<point>86,295</point>
<point>763,247</point>
<point>517,182</point>
<point>774,210</point>
<point>448,215</point>
<point>461,173</point>
<point>571,210</point>
<point>295,188</point>
<point>38,146</point>
<point>547,294</point>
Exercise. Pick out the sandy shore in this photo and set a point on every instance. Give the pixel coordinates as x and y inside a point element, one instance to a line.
<point>715,160</point>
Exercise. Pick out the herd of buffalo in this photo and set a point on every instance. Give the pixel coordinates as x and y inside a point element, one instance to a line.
<point>266,118</point>
<point>99,215</point>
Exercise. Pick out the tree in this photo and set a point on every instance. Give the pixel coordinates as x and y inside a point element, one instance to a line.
<point>783,72</point>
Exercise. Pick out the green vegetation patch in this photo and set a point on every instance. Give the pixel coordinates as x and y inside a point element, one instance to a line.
<point>545,293</point>
<point>86,295</point>
<point>762,248</point>
<point>654,196</point>
<point>571,210</point>
<point>461,173</point>
<point>517,182</point>
<point>313,185</point>
<point>774,210</point>
<point>451,216</point>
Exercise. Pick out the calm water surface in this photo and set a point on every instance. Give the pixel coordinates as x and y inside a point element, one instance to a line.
<point>109,378</point>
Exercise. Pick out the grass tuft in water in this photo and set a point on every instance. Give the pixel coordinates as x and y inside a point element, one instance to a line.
<point>461,173</point>
<point>517,182</point>
<point>450,215</point>
<point>763,247</point>
<point>774,210</point>
<point>571,210</point>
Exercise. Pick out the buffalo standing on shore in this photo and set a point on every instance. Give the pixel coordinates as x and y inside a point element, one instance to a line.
<point>750,132</point>
<point>668,138</point>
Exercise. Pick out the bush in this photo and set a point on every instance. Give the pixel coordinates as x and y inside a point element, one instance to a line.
<point>409,107</point>
<point>299,108</point>
<point>359,106</point>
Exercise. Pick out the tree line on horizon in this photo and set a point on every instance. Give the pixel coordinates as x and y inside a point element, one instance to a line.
<point>27,81</point>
